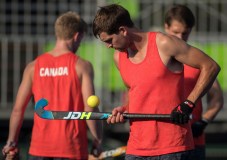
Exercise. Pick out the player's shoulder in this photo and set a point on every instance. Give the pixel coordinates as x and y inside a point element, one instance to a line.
<point>116,55</point>
<point>167,42</point>
<point>163,38</point>
<point>116,58</point>
<point>84,64</point>
<point>30,67</point>
<point>31,64</point>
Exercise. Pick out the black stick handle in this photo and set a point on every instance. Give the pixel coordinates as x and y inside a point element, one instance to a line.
<point>147,116</point>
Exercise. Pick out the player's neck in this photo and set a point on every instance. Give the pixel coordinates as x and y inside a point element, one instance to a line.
<point>139,43</point>
<point>60,48</point>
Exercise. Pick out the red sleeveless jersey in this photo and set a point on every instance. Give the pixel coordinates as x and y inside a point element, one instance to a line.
<point>191,76</point>
<point>56,80</point>
<point>154,89</point>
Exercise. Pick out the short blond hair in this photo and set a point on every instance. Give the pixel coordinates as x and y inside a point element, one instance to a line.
<point>68,24</point>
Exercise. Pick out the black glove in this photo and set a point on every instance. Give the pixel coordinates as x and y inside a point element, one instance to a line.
<point>96,148</point>
<point>198,127</point>
<point>181,114</point>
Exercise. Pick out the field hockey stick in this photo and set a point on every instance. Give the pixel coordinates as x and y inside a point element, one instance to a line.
<point>72,115</point>
<point>110,153</point>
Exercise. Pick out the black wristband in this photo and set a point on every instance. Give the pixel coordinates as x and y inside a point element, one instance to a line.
<point>189,104</point>
<point>187,107</point>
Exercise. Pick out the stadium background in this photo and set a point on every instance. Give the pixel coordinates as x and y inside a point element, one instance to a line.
<point>26,31</point>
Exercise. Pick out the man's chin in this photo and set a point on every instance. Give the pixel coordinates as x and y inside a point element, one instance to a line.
<point>120,49</point>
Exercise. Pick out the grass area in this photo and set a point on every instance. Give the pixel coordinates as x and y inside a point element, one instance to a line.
<point>217,52</point>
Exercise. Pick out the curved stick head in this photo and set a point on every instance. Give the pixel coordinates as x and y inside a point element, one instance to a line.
<point>41,104</point>
<point>39,109</point>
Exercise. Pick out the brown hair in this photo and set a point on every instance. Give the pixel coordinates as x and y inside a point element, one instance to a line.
<point>68,24</point>
<point>180,13</point>
<point>109,18</point>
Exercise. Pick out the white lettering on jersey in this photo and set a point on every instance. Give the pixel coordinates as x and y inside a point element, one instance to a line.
<point>53,72</point>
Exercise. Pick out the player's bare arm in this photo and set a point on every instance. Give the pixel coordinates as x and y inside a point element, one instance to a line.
<point>191,56</point>
<point>215,101</point>
<point>117,116</point>
<point>22,99</point>
<point>86,76</point>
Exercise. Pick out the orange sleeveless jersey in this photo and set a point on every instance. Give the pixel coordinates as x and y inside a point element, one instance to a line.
<point>55,79</point>
<point>154,89</point>
<point>191,76</point>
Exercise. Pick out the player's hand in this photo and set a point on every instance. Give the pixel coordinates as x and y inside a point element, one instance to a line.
<point>96,149</point>
<point>117,116</point>
<point>198,127</point>
<point>10,153</point>
<point>92,157</point>
<point>181,114</point>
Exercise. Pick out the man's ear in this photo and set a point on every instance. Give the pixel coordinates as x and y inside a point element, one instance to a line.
<point>166,26</point>
<point>123,30</point>
<point>76,36</point>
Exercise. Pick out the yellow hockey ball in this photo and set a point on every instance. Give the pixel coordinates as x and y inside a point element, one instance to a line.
<point>93,101</point>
